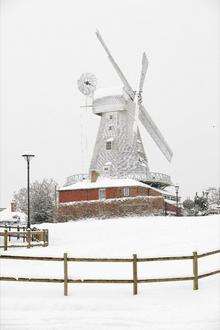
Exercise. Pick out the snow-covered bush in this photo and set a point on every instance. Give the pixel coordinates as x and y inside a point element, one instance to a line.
<point>213,195</point>
<point>188,205</point>
<point>198,206</point>
<point>42,201</point>
<point>201,204</point>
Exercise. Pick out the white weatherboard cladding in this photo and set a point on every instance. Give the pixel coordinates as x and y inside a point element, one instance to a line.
<point>126,155</point>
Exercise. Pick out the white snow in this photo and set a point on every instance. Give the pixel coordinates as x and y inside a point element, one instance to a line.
<point>109,200</point>
<point>103,183</point>
<point>170,306</point>
<point>170,201</point>
<point>7,216</point>
<point>110,139</point>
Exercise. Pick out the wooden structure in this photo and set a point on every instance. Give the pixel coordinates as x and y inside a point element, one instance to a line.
<point>30,238</point>
<point>134,260</point>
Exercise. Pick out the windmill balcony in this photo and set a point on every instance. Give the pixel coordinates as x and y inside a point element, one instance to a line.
<point>154,178</point>
<point>160,177</point>
<point>75,178</point>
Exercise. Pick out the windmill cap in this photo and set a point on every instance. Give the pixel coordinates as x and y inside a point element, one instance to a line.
<point>109,103</point>
<point>102,92</point>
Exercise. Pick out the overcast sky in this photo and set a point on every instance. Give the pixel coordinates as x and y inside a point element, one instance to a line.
<point>47,44</point>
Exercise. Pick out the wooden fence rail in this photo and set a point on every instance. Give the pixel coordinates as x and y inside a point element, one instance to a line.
<point>12,226</point>
<point>106,259</point>
<point>134,281</point>
<point>27,235</point>
<point>18,228</point>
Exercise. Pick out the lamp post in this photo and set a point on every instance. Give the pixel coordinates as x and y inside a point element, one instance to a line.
<point>28,157</point>
<point>177,199</point>
<point>165,208</point>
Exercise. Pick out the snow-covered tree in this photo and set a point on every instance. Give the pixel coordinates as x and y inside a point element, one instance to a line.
<point>188,205</point>
<point>42,201</point>
<point>213,195</point>
<point>201,204</point>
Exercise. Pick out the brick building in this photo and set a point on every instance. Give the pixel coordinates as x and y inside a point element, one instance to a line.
<point>113,197</point>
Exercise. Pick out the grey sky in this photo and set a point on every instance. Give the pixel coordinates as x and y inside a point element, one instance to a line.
<point>47,44</point>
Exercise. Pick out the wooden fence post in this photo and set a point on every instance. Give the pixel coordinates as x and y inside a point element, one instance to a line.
<point>23,234</point>
<point>5,240</point>
<point>195,271</point>
<point>9,237</point>
<point>135,274</point>
<point>18,230</point>
<point>45,237</point>
<point>28,238</point>
<point>65,269</point>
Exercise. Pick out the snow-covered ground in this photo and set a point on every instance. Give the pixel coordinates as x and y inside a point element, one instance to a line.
<point>170,306</point>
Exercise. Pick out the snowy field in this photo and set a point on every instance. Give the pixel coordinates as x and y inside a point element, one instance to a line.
<point>170,306</point>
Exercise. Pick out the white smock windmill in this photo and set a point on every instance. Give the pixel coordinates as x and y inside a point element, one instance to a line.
<point>119,150</point>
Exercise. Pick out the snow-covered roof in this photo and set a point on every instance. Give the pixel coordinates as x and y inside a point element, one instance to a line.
<point>8,216</point>
<point>162,191</point>
<point>103,183</point>
<point>168,201</point>
<point>111,139</point>
<point>107,183</point>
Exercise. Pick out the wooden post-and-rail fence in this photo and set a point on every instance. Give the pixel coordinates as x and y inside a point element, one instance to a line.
<point>39,237</point>
<point>135,280</point>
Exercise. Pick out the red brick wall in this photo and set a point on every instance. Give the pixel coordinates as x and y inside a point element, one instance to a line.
<point>113,192</point>
<point>66,196</point>
<point>92,194</point>
<point>139,206</point>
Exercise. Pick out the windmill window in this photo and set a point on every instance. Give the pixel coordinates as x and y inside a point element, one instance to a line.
<point>106,168</point>
<point>111,117</point>
<point>102,194</point>
<point>110,128</point>
<point>126,191</point>
<point>108,145</point>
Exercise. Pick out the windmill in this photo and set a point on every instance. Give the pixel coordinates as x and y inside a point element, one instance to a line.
<point>119,151</point>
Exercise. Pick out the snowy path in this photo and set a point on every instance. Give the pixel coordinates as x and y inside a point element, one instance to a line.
<point>167,306</point>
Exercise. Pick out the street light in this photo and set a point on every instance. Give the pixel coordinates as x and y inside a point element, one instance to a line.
<point>165,208</point>
<point>177,199</point>
<point>28,157</point>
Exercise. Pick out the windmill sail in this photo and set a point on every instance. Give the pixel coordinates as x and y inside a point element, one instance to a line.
<point>143,72</point>
<point>154,132</point>
<point>127,87</point>
<point>140,111</point>
<point>144,66</point>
